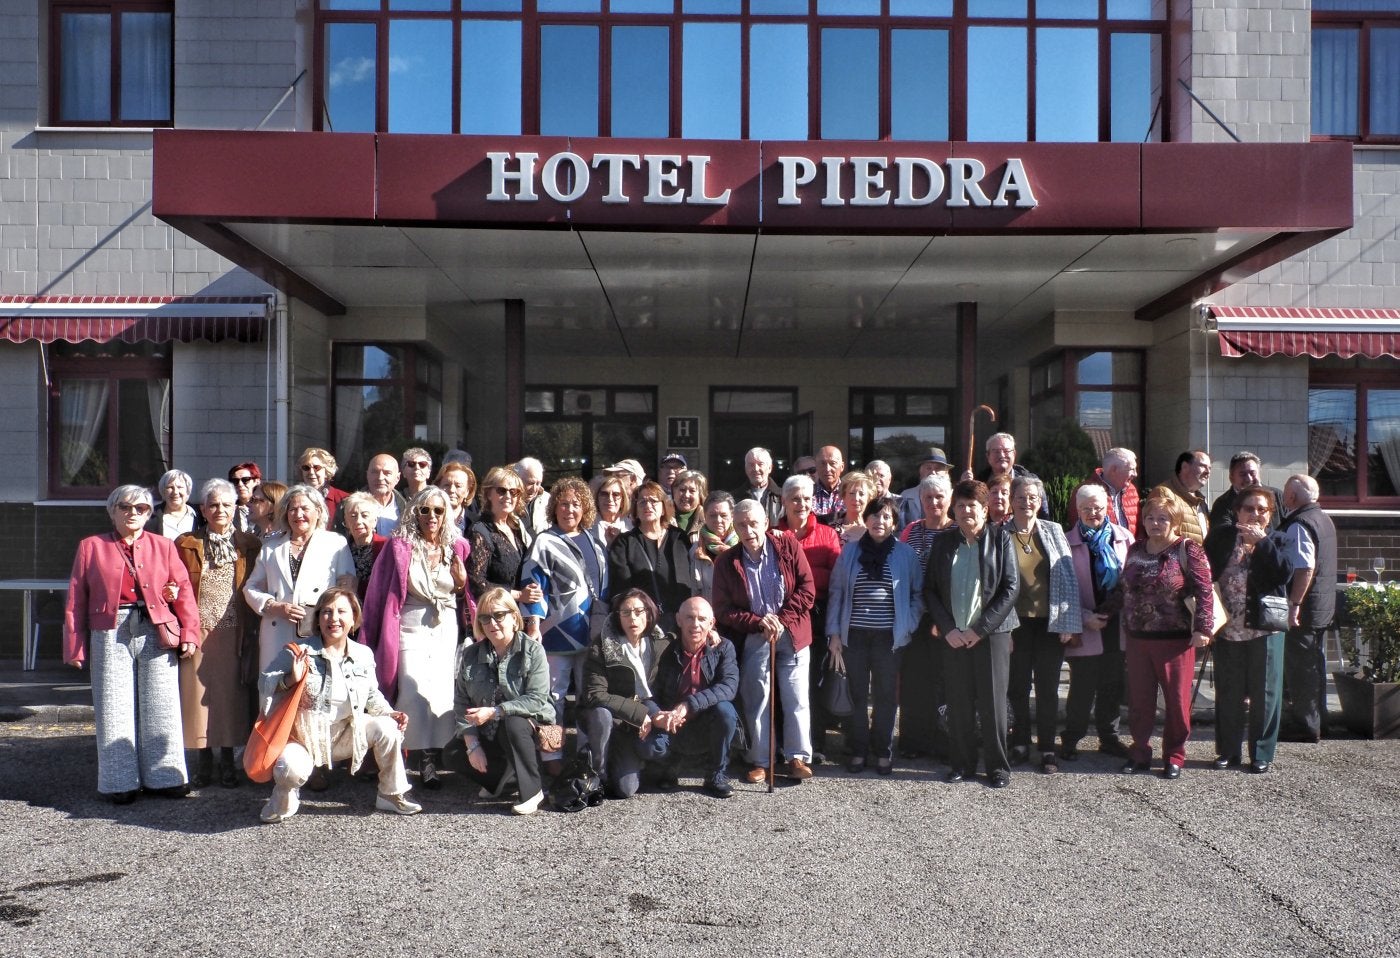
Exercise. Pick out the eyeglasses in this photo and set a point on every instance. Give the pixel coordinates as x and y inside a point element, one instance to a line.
<point>630,612</point>
<point>610,494</point>
<point>417,463</point>
<point>430,510</point>
<point>505,492</point>
<point>244,480</point>
<point>649,502</point>
<point>140,508</point>
<point>498,617</point>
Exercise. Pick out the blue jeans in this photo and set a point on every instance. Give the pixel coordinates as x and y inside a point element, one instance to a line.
<point>618,752</point>
<point>872,666</point>
<point>709,733</point>
<point>755,685</point>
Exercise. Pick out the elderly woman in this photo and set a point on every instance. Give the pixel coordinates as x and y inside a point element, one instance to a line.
<point>970,587</point>
<point>999,498</point>
<point>1098,548</point>
<point>571,570</point>
<point>922,728</point>
<point>654,556</point>
<point>688,491</point>
<point>174,516</point>
<point>614,504</point>
<point>359,514</point>
<point>131,607</point>
<point>1159,575</point>
<point>874,608</point>
<point>1247,565</point>
<point>502,693</point>
<point>318,468</point>
<point>262,508</point>
<point>342,713</point>
<point>856,489</point>
<point>1049,610</point>
<point>459,482</point>
<point>716,534</point>
<point>213,697</point>
<point>293,569</point>
<point>498,538</point>
<point>412,624</point>
<point>620,693</point>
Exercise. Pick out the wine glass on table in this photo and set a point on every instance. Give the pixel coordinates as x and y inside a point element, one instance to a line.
<point>1378,566</point>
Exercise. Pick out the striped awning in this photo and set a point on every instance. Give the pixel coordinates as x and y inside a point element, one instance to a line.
<point>1307,331</point>
<point>133,319</point>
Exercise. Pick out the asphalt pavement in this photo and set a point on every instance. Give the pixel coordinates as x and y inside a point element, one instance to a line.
<point>1298,862</point>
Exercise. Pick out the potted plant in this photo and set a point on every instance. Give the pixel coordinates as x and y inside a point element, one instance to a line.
<point>1369,624</point>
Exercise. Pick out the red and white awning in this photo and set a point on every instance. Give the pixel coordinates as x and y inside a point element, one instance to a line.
<point>1307,331</point>
<point>133,319</point>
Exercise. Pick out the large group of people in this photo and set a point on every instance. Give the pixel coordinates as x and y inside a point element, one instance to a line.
<point>432,626</point>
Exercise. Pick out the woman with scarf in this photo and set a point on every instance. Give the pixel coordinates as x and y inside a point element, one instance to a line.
<point>873,607</point>
<point>716,534</point>
<point>1099,548</point>
<point>571,570</point>
<point>688,492</point>
<point>214,700</point>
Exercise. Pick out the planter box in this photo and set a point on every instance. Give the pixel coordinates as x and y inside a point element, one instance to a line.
<point>1371,709</point>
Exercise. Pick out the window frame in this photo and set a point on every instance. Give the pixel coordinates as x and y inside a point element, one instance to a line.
<point>868,420</point>
<point>114,9</point>
<point>412,387</point>
<point>1363,381</point>
<point>1364,21</point>
<point>609,414</point>
<point>1068,389</point>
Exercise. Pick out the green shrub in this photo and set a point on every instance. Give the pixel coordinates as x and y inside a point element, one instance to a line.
<point>1376,614</point>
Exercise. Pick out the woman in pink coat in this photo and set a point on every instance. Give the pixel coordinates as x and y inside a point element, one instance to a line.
<point>131,608</point>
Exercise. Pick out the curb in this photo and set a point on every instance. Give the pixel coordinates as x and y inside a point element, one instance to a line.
<point>62,714</point>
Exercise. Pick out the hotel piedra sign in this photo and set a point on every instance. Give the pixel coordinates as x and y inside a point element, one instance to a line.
<point>828,181</point>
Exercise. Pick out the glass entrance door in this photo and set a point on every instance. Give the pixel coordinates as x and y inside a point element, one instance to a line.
<point>741,419</point>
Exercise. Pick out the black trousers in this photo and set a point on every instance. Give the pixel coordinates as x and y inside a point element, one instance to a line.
<point>511,751</point>
<point>1096,684</point>
<point>977,679</point>
<point>1304,674</point>
<point>1036,655</point>
<point>921,694</point>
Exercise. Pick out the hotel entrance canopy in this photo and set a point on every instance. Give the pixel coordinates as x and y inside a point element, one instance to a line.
<point>748,248</point>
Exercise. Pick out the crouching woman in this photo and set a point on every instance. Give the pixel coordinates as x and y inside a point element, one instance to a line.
<point>342,714</point>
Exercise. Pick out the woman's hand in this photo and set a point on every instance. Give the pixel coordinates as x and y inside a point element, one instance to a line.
<point>532,593</point>
<point>1199,640</point>
<point>298,671</point>
<point>400,719</point>
<point>459,573</point>
<point>833,648</point>
<point>1067,638</point>
<point>1095,621</point>
<point>476,755</point>
<point>480,716</point>
<point>186,650</point>
<point>645,728</point>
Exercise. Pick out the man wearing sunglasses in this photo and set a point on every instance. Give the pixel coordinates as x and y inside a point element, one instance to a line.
<point>246,478</point>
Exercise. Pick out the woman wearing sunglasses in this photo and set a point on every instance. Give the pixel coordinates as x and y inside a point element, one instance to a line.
<point>499,541</point>
<point>412,607</point>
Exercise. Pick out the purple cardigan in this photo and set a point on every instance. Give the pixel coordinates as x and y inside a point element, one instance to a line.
<point>384,598</point>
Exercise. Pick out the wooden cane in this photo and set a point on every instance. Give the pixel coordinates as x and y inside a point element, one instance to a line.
<point>772,712</point>
<point>972,430</point>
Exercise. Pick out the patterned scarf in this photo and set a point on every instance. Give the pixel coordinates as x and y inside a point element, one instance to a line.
<point>712,545</point>
<point>219,550</point>
<point>1106,564</point>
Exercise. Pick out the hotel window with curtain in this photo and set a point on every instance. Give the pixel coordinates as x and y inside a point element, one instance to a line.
<point>1356,70</point>
<point>1354,434</point>
<point>111,64</point>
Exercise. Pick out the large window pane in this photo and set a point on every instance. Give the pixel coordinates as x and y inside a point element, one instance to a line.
<point>1109,369</point>
<point>710,75</point>
<point>1336,74</point>
<point>849,8</point>
<point>1383,442</point>
<point>558,446</point>
<point>641,6</point>
<point>85,82</point>
<point>350,77</point>
<point>143,429</point>
<point>997,8</point>
<point>778,7</point>
<point>1332,440</point>
<point>420,76</point>
<point>921,8</point>
<point>1067,85</point>
<point>145,69</point>
<point>491,76</point>
<point>850,85</point>
<point>996,84</point>
<point>569,6</point>
<point>568,81</point>
<point>1385,81</point>
<point>1068,9</point>
<point>641,87</point>
<point>919,84</point>
<point>1133,59</point>
<point>778,82</point>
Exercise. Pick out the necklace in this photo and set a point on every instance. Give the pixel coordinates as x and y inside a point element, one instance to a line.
<point>1025,542</point>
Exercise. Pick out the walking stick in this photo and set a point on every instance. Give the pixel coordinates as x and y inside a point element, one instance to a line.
<point>972,430</point>
<point>1200,674</point>
<point>772,712</point>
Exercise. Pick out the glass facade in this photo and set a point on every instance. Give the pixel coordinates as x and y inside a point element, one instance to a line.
<point>978,70</point>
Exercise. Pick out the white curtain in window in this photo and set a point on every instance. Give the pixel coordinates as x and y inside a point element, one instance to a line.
<point>85,75</point>
<point>158,405</point>
<point>1336,76</point>
<point>82,423</point>
<point>146,51</point>
<point>1385,80</point>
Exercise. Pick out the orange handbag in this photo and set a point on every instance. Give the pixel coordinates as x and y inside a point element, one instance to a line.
<point>272,732</point>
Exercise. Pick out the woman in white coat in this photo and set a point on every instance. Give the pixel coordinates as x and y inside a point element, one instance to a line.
<point>295,567</point>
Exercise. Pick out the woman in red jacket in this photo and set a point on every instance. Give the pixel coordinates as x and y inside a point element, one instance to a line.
<point>132,608</point>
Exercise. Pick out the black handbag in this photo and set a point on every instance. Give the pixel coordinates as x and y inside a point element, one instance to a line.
<point>834,690</point>
<point>1273,614</point>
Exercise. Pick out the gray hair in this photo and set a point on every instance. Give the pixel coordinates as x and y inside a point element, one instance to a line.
<point>128,493</point>
<point>312,495</point>
<point>746,506</point>
<point>874,464</point>
<point>1028,482</point>
<point>798,483</point>
<point>528,464</point>
<point>408,523</point>
<point>355,499</point>
<point>416,452</point>
<point>1000,435</point>
<point>1118,454</point>
<point>1090,490</point>
<point>757,452</point>
<point>936,480</point>
<point>164,482</point>
<point>216,487</point>
<point>1308,489</point>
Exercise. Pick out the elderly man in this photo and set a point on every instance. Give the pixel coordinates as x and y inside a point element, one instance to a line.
<point>911,508</point>
<point>758,467</point>
<point>879,472</point>
<point>696,684</point>
<point>1245,471</point>
<point>826,494</point>
<point>1001,461</point>
<point>416,466</point>
<point>671,467</point>
<point>631,472</point>
<point>1115,474</point>
<point>531,473</point>
<point>1310,542</point>
<point>246,478</point>
<point>380,479</point>
<point>1191,475</point>
<point>763,594</point>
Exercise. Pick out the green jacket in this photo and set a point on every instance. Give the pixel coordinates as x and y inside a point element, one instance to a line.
<point>521,674</point>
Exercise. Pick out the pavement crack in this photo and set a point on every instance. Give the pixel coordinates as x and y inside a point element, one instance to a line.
<point>1285,904</point>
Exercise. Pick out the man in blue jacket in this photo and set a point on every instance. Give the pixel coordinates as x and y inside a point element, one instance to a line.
<point>695,686</point>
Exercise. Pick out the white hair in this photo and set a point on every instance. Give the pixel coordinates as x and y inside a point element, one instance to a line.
<point>798,483</point>
<point>936,480</point>
<point>1306,486</point>
<point>758,452</point>
<point>1000,435</point>
<point>528,464</point>
<point>1090,490</point>
<point>745,506</point>
<point>1118,454</point>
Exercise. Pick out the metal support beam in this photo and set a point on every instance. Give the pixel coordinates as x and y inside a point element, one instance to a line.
<point>515,378</point>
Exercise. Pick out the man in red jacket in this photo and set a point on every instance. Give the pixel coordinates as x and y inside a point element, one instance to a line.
<point>1116,473</point>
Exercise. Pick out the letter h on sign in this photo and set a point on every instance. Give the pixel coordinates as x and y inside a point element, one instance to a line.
<point>683,432</point>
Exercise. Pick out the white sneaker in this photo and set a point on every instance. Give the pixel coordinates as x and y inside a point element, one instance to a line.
<point>281,806</point>
<point>397,803</point>
<point>530,805</point>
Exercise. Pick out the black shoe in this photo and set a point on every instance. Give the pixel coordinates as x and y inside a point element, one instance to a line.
<point>1172,771</point>
<point>954,776</point>
<point>1135,768</point>
<point>855,764</point>
<point>999,779</point>
<point>1113,746</point>
<point>1070,753</point>
<point>1224,762</point>
<point>1048,765</point>
<point>666,781</point>
<point>1020,754</point>
<point>428,776</point>
<point>1260,768</point>
<point>170,791</point>
<point>717,786</point>
<point>122,798</point>
<point>884,766</point>
<point>203,769</point>
<point>818,758</point>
